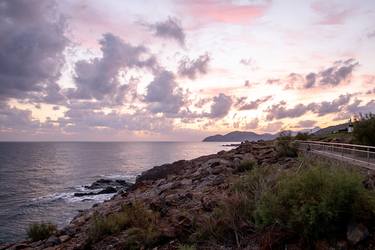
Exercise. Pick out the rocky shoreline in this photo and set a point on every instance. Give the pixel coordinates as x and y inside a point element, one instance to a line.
<point>105,186</point>
<point>181,193</point>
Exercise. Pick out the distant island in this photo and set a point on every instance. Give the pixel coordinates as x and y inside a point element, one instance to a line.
<point>239,136</point>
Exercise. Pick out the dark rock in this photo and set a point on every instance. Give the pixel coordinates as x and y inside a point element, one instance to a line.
<point>107,186</point>
<point>356,233</point>
<point>19,246</point>
<point>163,171</point>
<point>52,241</point>
<point>64,238</point>
<point>104,183</point>
<point>108,190</point>
<point>208,204</point>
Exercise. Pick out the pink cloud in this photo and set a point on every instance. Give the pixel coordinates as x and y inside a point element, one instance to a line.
<point>225,11</point>
<point>331,14</point>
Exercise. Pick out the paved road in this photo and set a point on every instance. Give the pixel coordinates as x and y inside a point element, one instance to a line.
<point>355,154</point>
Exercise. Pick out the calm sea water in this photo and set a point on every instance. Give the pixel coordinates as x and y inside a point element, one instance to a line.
<point>38,179</point>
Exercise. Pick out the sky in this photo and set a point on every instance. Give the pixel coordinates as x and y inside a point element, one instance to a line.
<point>114,70</point>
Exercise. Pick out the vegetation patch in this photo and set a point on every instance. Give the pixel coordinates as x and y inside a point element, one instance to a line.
<point>187,247</point>
<point>246,166</point>
<point>138,222</point>
<point>286,146</point>
<point>232,221</point>
<point>316,203</point>
<point>364,130</point>
<point>40,231</point>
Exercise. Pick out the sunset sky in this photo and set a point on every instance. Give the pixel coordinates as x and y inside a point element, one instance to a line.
<point>181,70</point>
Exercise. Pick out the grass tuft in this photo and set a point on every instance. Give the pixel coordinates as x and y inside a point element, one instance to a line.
<point>40,231</point>
<point>139,223</point>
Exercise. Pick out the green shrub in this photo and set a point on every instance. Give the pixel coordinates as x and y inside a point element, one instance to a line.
<point>40,231</point>
<point>227,223</point>
<point>140,237</point>
<point>187,247</point>
<point>246,166</point>
<point>285,146</point>
<point>315,203</point>
<point>232,221</point>
<point>140,223</point>
<point>302,136</point>
<point>254,183</point>
<point>364,130</point>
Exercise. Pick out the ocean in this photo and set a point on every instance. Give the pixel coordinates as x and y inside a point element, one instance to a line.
<point>38,179</point>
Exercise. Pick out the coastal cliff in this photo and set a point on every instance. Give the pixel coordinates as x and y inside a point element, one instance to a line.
<point>168,204</point>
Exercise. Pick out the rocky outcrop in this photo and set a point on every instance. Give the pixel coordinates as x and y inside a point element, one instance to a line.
<point>105,186</point>
<point>181,193</point>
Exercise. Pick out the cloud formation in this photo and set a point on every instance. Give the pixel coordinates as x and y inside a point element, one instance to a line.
<point>221,106</point>
<point>32,43</point>
<point>192,68</point>
<point>164,95</point>
<point>280,111</point>
<point>99,78</point>
<point>339,72</point>
<point>243,105</point>
<point>169,29</point>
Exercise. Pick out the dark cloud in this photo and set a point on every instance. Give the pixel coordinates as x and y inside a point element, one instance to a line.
<point>243,105</point>
<point>16,119</point>
<point>32,42</point>
<point>191,68</point>
<point>221,106</point>
<point>356,107</point>
<point>340,71</point>
<point>98,78</point>
<point>170,29</point>
<point>280,111</point>
<point>335,105</point>
<point>164,95</point>
<point>310,80</point>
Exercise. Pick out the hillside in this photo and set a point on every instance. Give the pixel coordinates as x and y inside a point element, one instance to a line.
<point>226,201</point>
<point>239,136</point>
<point>331,129</point>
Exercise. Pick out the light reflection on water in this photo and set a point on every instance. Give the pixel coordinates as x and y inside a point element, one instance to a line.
<point>38,179</point>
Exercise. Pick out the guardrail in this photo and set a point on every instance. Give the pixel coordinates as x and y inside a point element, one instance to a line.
<point>357,154</point>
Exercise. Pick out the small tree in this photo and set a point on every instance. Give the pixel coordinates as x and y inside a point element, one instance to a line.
<point>285,146</point>
<point>302,136</point>
<point>364,129</point>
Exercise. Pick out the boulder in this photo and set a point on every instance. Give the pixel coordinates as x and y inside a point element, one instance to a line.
<point>52,241</point>
<point>104,183</point>
<point>64,238</point>
<point>356,233</point>
<point>163,171</point>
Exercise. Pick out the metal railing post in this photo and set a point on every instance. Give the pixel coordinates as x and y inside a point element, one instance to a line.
<point>368,156</point>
